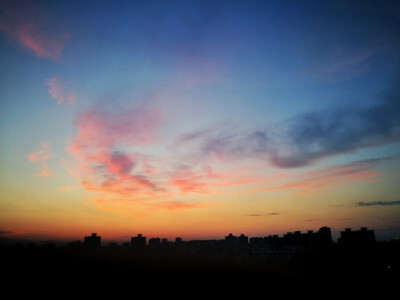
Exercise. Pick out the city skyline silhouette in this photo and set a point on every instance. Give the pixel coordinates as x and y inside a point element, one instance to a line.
<point>221,139</point>
<point>294,258</point>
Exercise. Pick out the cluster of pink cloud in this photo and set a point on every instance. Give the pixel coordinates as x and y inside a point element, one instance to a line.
<point>58,91</point>
<point>108,147</point>
<point>186,179</point>
<point>41,157</point>
<point>103,147</point>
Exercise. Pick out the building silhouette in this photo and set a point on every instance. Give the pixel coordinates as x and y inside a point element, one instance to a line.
<point>358,238</point>
<point>230,242</point>
<point>295,245</point>
<point>324,238</point>
<point>138,243</point>
<point>292,245</point>
<point>93,241</point>
<point>154,243</point>
<point>242,243</point>
<point>236,244</point>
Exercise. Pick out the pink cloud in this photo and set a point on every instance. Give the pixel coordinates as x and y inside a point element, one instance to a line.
<point>29,27</point>
<point>360,171</point>
<point>173,205</point>
<point>41,157</point>
<point>35,40</point>
<point>58,91</point>
<point>190,179</point>
<point>103,147</point>
<point>100,130</point>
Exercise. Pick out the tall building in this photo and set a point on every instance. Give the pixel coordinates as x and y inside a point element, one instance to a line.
<point>324,237</point>
<point>139,242</point>
<point>93,241</point>
<point>243,242</point>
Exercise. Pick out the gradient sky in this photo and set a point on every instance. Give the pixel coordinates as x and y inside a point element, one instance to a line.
<point>198,118</point>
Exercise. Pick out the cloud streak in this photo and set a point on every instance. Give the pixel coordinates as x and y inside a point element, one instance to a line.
<point>307,137</point>
<point>22,23</point>
<point>59,91</point>
<point>174,205</point>
<point>5,233</point>
<point>41,157</point>
<point>379,203</point>
<point>263,215</point>
<point>358,171</point>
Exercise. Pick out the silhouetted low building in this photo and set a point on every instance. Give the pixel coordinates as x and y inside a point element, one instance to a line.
<point>164,242</point>
<point>203,246</point>
<point>126,245</point>
<point>93,241</point>
<point>154,243</point>
<point>359,238</point>
<point>49,245</point>
<point>75,244</point>
<point>293,245</point>
<point>113,245</point>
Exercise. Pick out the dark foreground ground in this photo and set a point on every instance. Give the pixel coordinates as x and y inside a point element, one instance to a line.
<point>375,268</point>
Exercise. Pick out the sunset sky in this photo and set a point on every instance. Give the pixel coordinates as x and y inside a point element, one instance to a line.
<point>198,118</point>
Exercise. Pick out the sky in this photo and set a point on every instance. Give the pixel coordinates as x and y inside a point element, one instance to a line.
<point>196,119</point>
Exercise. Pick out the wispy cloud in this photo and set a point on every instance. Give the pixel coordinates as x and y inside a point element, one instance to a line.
<point>359,171</point>
<point>110,144</point>
<point>188,179</point>
<point>306,137</point>
<point>173,205</point>
<point>41,157</point>
<point>23,22</point>
<point>58,91</point>
<point>264,215</point>
<point>5,233</point>
<point>339,62</point>
<point>379,203</point>
<point>66,188</point>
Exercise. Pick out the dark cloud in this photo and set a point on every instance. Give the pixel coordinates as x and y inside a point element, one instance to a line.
<point>315,135</point>
<point>379,203</point>
<point>5,232</point>
<point>307,137</point>
<point>263,215</point>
